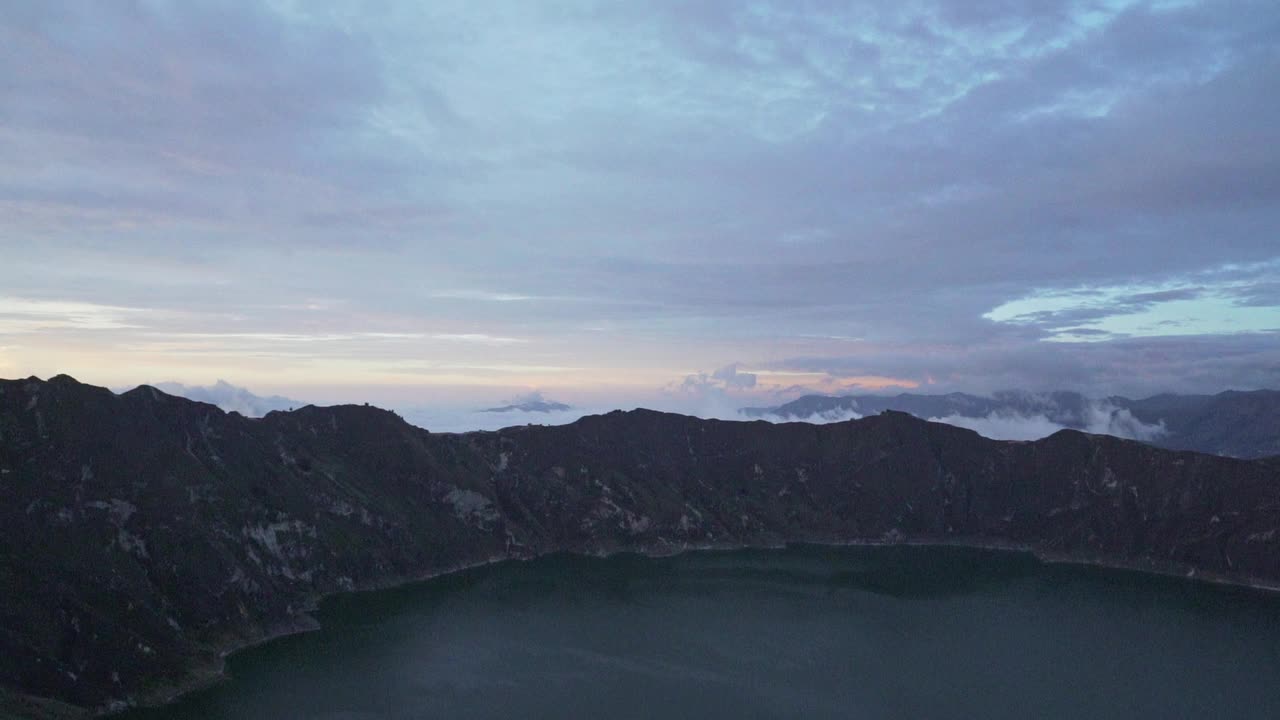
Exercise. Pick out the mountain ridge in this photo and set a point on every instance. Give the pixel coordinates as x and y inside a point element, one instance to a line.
<point>530,406</point>
<point>1233,423</point>
<point>145,535</point>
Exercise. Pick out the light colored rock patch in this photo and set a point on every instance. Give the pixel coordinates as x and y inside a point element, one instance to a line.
<point>285,456</point>
<point>472,508</point>
<point>119,510</point>
<point>268,537</point>
<point>607,509</point>
<point>242,581</point>
<point>291,574</point>
<point>637,524</point>
<point>504,459</point>
<point>341,508</point>
<point>1267,536</point>
<point>131,543</point>
<point>281,542</point>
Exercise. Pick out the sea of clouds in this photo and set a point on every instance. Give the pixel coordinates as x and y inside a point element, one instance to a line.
<point>1101,416</point>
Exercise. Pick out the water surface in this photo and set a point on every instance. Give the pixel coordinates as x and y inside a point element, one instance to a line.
<point>896,632</point>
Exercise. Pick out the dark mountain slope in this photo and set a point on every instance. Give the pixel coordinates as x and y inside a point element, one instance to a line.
<point>1236,424</point>
<point>141,535</point>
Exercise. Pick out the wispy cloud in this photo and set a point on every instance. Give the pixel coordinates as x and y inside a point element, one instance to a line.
<point>479,338</point>
<point>1100,417</point>
<point>23,315</point>
<point>483,295</point>
<point>1213,302</point>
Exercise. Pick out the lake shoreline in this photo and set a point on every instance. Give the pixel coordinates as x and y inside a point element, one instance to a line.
<point>209,676</point>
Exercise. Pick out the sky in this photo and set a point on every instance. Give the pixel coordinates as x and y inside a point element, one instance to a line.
<point>686,205</point>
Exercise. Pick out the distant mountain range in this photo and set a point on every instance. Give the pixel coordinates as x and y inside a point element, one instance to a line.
<point>1235,424</point>
<point>230,398</point>
<point>538,406</point>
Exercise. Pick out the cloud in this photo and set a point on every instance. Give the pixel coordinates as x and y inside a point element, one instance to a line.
<point>482,295</point>
<point>1101,418</point>
<point>1223,302</point>
<point>715,394</point>
<point>1005,426</point>
<point>481,338</point>
<point>1106,419</point>
<point>24,315</point>
<point>1135,367</point>
<point>230,398</point>
<point>818,418</point>
<point>726,378</point>
<point>734,378</point>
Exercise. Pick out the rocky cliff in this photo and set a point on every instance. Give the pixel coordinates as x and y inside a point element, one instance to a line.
<point>142,535</point>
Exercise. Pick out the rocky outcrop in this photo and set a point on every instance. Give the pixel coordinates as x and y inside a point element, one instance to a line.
<point>143,535</point>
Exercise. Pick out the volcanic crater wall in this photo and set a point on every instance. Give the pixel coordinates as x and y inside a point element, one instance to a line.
<point>142,535</point>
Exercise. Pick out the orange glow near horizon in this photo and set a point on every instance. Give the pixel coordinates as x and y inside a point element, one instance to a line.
<point>320,365</point>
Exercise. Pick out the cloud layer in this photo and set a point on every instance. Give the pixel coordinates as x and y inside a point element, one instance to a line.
<point>577,196</point>
<point>1101,418</point>
<point>230,398</point>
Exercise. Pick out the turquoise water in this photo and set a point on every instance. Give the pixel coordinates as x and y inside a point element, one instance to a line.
<point>809,632</point>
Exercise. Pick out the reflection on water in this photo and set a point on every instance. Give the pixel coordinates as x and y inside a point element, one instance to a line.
<point>898,632</point>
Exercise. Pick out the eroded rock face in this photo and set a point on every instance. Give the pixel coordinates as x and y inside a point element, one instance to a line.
<point>141,534</point>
